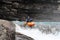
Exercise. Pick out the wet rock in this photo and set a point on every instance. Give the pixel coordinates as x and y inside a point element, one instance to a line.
<point>20,36</point>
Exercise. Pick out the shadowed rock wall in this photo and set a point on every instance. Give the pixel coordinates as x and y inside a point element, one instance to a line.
<point>17,9</point>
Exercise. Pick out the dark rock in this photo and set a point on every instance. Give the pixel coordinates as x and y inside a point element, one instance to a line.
<point>7,2</point>
<point>15,5</point>
<point>14,9</point>
<point>20,36</point>
<point>6,9</point>
<point>9,6</point>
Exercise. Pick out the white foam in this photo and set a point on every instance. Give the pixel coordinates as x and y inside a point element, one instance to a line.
<point>36,34</point>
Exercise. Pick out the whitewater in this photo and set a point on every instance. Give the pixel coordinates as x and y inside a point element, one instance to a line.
<point>37,34</point>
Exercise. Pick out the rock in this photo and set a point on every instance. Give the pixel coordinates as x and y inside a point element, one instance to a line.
<point>20,36</point>
<point>12,13</point>
<point>7,2</point>
<point>9,6</point>
<point>7,24</point>
<point>13,10</point>
<point>15,5</point>
<point>28,7</point>
<point>6,9</point>
<point>7,30</point>
<point>3,33</point>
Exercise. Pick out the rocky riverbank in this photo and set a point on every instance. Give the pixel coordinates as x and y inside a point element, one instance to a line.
<point>7,32</point>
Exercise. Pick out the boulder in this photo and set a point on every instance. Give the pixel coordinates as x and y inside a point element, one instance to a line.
<point>7,30</point>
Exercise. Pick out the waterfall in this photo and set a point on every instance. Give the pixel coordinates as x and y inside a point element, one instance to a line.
<point>44,31</point>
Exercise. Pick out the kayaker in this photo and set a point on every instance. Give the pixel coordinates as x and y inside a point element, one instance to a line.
<point>28,21</point>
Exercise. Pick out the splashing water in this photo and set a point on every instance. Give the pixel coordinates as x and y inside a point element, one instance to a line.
<point>43,30</point>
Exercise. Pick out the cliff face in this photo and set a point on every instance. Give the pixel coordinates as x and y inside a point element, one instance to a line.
<point>17,9</point>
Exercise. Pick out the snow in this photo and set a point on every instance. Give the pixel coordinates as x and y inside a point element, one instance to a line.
<point>36,34</point>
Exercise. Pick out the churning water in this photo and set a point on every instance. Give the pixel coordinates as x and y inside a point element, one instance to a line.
<point>41,31</point>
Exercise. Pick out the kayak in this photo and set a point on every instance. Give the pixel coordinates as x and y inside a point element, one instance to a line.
<point>30,24</point>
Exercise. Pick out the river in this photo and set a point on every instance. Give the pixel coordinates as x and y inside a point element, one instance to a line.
<point>40,32</point>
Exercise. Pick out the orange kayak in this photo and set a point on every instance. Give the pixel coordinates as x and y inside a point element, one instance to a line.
<point>30,24</point>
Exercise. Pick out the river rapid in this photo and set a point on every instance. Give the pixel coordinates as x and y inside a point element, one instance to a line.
<point>41,31</point>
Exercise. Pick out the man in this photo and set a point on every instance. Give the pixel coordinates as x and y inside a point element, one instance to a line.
<point>28,19</point>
